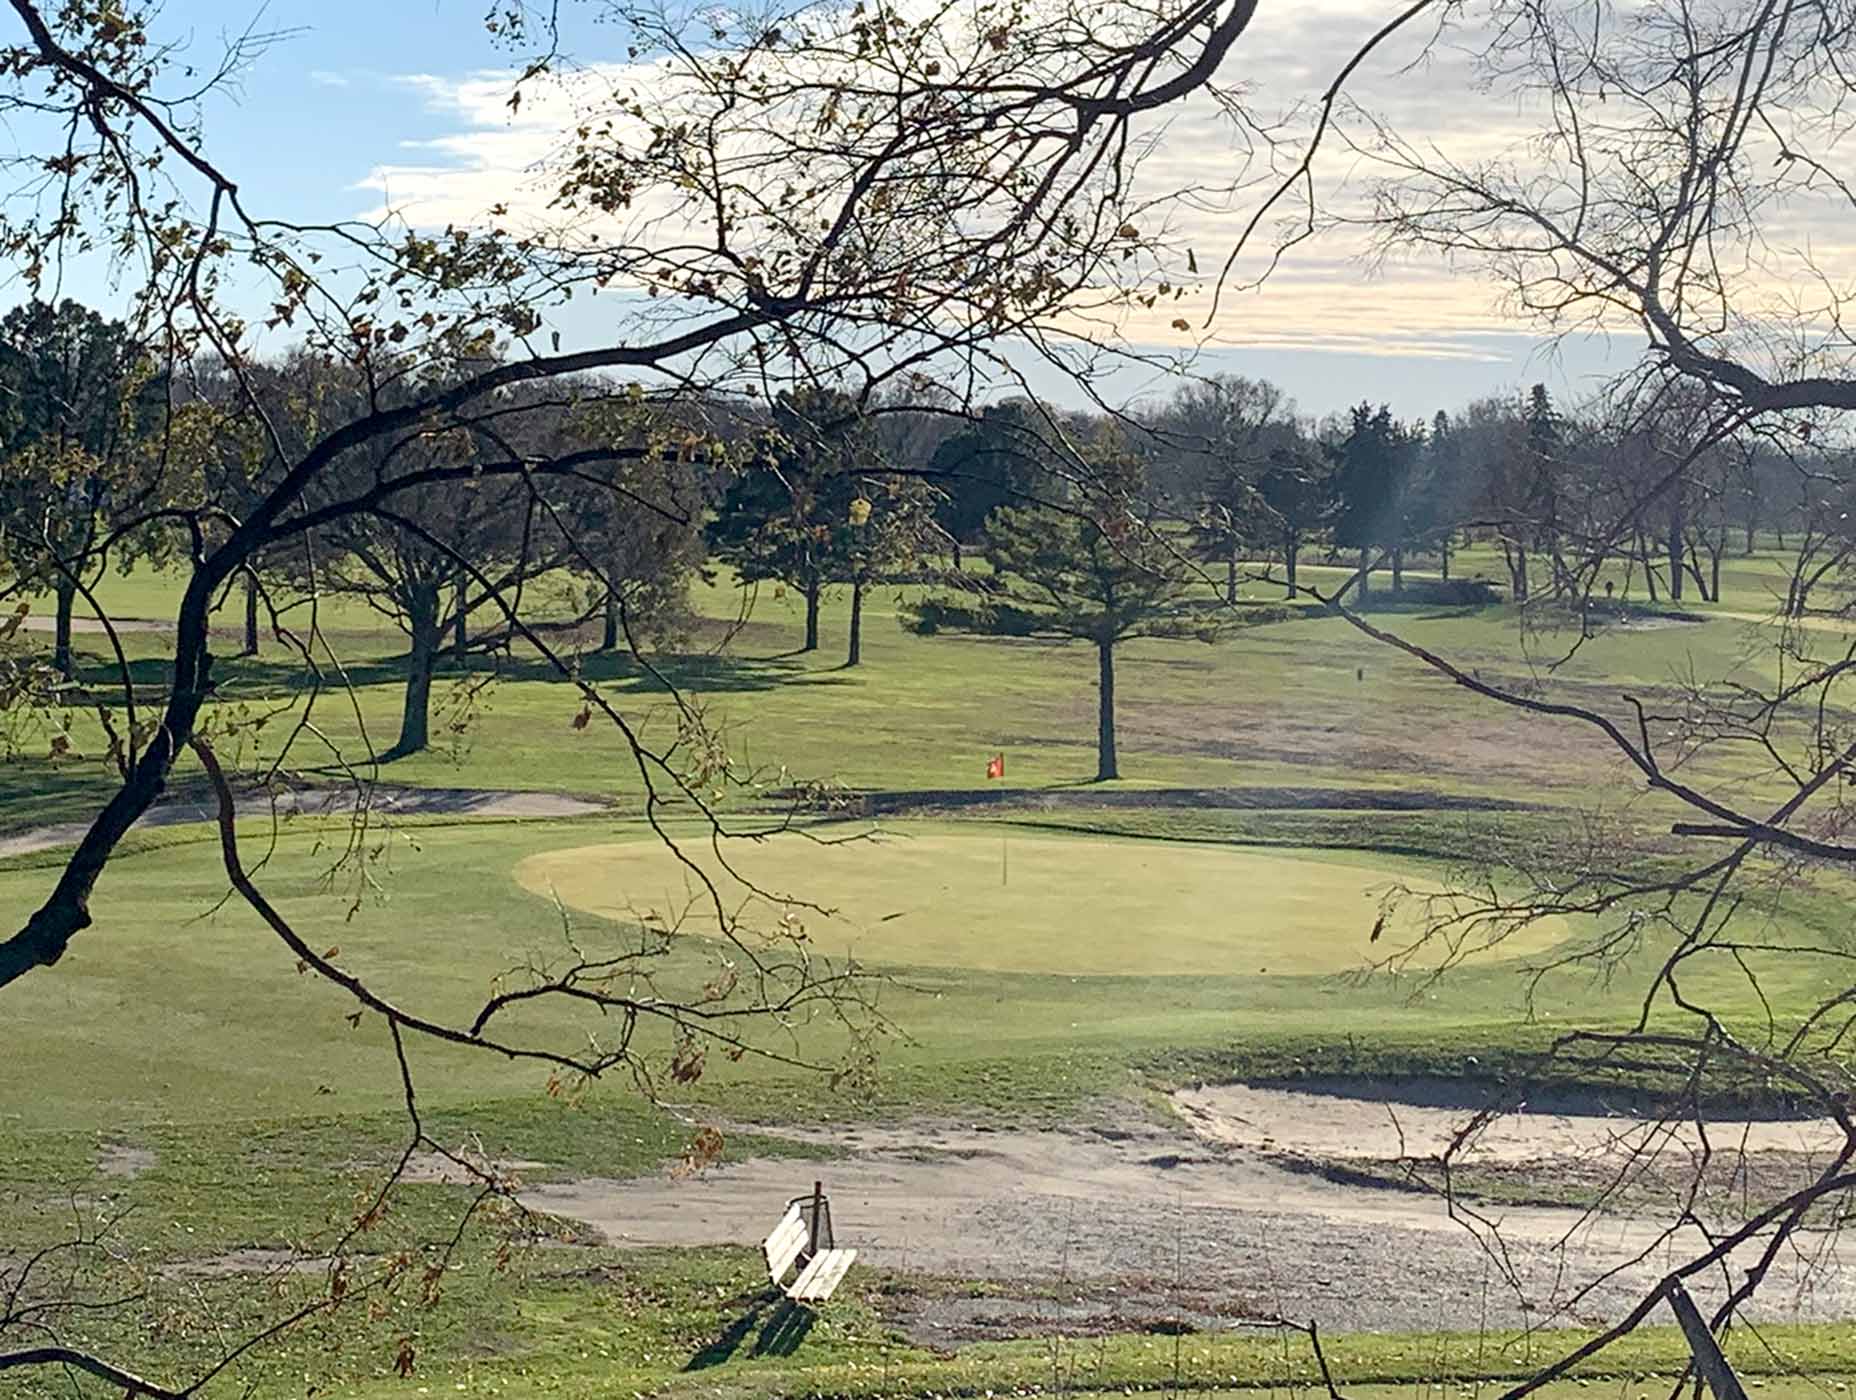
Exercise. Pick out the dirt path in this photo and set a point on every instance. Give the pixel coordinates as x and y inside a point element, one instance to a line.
<point>1122,1204</point>
<point>390,801</point>
<point>45,622</point>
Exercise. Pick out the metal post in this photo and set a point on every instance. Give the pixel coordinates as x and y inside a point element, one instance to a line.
<point>818,1204</point>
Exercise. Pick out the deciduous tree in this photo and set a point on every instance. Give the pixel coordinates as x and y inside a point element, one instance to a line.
<point>1070,576</point>
<point>78,396</point>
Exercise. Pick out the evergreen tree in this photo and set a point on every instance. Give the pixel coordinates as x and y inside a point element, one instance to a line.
<point>999,459</point>
<point>818,509</point>
<point>777,518</point>
<point>1373,470</point>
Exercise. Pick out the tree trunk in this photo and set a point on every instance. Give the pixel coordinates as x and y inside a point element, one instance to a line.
<point>955,541</point>
<point>1649,565</point>
<point>1444,552</point>
<point>1674,544</point>
<point>1398,570</point>
<point>1515,557</point>
<point>1291,547</point>
<point>459,634</point>
<point>609,634</point>
<point>1230,577</point>
<point>1563,583</point>
<point>1365,579</point>
<point>251,614</point>
<point>1106,767</point>
<point>812,591</point>
<point>66,593</point>
<point>421,657</point>
<point>856,653</point>
<point>1693,559</point>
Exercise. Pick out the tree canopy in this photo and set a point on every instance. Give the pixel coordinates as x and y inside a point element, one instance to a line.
<point>1070,576</point>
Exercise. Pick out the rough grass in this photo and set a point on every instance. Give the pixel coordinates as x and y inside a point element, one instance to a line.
<point>699,1323</point>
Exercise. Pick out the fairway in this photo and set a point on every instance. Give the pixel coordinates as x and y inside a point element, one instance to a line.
<point>1018,904</point>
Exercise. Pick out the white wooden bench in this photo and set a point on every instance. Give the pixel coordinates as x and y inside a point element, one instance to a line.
<point>803,1240</point>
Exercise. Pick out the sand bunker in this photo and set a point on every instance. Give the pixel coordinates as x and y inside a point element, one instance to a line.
<point>1336,1127</point>
<point>1019,904</point>
<point>1125,1201</point>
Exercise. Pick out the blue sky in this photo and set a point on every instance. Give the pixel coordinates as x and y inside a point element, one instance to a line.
<point>404,96</point>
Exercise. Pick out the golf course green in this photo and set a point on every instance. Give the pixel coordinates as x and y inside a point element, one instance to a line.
<point>997,903</point>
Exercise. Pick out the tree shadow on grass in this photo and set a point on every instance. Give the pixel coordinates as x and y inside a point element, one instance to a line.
<point>39,791</point>
<point>275,673</point>
<point>783,1326</point>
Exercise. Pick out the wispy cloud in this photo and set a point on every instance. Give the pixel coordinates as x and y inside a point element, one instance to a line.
<point>1327,293</point>
<point>323,77</point>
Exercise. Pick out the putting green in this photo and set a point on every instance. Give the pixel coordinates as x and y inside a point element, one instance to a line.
<point>1021,904</point>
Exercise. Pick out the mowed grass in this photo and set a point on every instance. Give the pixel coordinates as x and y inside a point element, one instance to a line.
<point>1307,702</point>
<point>1107,962</point>
<point>1011,903</point>
<point>180,1006</point>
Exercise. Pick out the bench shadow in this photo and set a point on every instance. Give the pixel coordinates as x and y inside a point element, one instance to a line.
<point>783,1326</point>
<point>731,1337</point>
<point>784,1330</point>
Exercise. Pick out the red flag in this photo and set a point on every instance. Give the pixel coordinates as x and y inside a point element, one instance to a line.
<point>995,766</point>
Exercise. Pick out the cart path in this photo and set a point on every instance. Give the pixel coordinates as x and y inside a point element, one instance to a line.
<point>384,800</point>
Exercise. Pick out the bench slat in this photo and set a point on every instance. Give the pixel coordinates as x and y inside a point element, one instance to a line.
<point>784,1253</point>
<point>783,1246</point>
<point>822,1276</point>
<point>788,1223</point>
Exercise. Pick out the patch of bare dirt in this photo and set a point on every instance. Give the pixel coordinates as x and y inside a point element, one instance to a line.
<point>1560,1147</point>
<point>255,1261</point>
<point>1107,1207</point>
<point>436,1169</point>
<point>124,1160</point>
<point>942,1313</point>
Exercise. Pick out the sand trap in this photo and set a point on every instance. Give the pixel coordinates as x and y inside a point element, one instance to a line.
<point>1018,904</point>
<point>1122,1202</point>
<point>1339,1128</point>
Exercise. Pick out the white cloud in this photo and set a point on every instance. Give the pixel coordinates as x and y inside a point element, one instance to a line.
<point>1327,293</point>
<point>323,77</point>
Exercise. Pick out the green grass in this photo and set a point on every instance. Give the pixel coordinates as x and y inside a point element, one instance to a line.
<point>1076,907</point>
<point>1304,702</point>
<point>178,1024</point>
<point>441,914</point>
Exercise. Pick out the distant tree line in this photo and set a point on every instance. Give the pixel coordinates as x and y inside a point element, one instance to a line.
<point>1092,528</point>
<point>1612,492</point>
